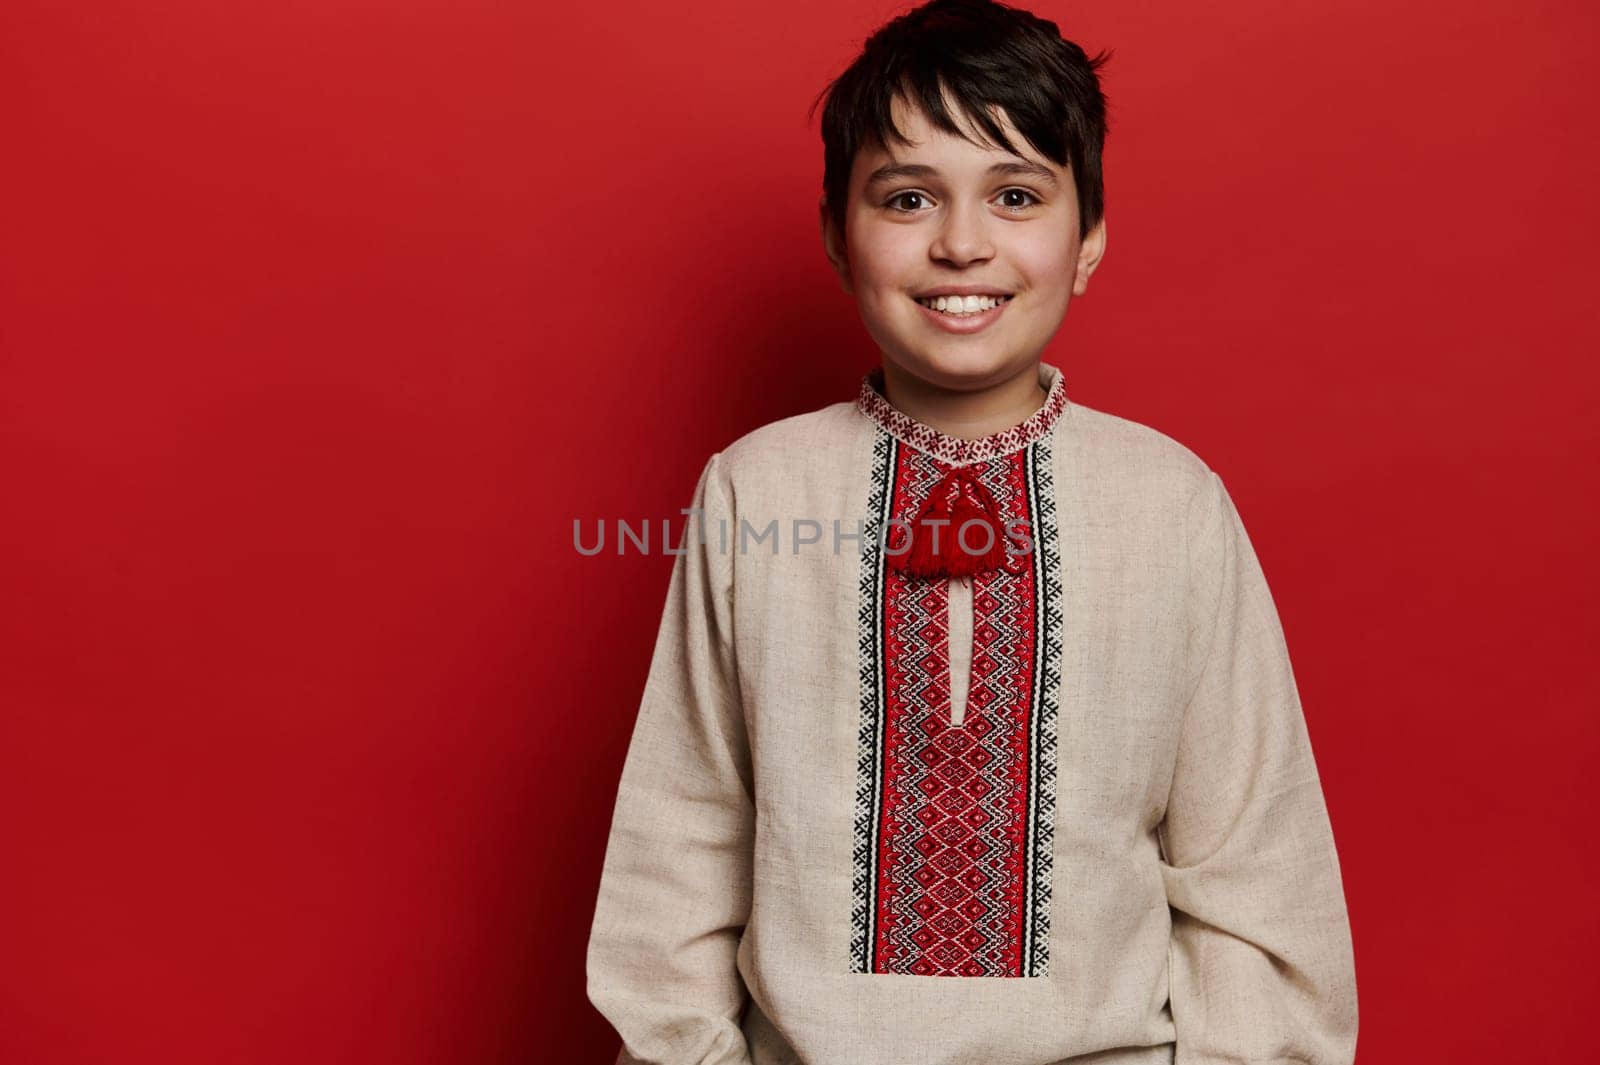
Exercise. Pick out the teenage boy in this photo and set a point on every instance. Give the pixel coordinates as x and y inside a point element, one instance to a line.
<point>1019,776</point>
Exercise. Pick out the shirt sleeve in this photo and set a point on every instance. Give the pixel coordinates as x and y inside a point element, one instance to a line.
<point>675,888</point>
<point>1261,962</point>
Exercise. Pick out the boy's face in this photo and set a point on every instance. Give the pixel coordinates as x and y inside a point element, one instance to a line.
<point>958,223</point>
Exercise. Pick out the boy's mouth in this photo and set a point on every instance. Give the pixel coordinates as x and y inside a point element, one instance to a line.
<point>962,306</point>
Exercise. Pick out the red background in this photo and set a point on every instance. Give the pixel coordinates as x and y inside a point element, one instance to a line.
<point>321,322</point>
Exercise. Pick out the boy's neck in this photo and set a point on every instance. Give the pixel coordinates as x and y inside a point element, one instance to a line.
<point>965,415</point>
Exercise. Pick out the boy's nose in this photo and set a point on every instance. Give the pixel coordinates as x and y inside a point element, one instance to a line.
<point>963,238</point>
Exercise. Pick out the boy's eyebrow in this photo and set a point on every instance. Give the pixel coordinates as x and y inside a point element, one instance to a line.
<point>1018,168</point>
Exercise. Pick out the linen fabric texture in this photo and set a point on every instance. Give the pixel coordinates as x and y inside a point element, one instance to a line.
<point>1091,832</point>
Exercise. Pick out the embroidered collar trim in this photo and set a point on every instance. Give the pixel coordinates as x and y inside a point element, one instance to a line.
<point>952,449</point>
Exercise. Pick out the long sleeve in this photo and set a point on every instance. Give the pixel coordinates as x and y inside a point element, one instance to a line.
<point>675,888</point>
<point>1261,960</point>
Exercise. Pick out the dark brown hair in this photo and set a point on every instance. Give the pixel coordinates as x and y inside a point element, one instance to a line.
<point>984,54</point>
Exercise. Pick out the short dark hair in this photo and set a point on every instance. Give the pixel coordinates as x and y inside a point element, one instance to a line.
<point>985,54</point>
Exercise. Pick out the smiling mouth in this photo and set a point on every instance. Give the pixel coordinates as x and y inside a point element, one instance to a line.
<point>962,306</point>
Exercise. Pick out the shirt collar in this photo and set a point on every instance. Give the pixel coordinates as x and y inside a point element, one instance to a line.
<point>952,449</point>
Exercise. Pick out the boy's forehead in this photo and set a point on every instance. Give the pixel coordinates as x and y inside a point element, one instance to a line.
<point>924,140</point>
<point>909,115</point>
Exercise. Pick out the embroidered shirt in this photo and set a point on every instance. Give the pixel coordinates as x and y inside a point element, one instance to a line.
<point>1062,810</point>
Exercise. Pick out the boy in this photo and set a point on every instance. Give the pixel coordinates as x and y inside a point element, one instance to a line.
<point>1020,775</point>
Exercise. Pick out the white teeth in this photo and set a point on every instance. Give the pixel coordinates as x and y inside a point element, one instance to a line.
<point>959,305</point>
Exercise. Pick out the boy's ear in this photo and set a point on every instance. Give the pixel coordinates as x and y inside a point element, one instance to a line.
<point>1090,252</point>
<point>833,246</point>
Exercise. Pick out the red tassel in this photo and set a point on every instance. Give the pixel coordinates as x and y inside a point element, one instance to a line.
<point>958,499</point>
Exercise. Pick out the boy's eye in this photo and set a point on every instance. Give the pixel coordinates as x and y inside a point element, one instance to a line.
<point>1021,192</point>
<point>903,197</point>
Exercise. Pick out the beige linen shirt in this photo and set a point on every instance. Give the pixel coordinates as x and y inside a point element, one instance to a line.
<point>1065,811</point>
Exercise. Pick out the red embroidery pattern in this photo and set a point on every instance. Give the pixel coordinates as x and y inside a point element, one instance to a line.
<point>955,824</point>
<point>906,429</point>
